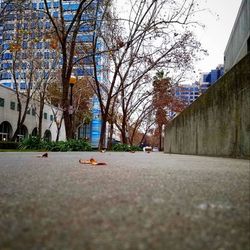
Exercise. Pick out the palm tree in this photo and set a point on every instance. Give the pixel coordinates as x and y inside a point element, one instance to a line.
<point>161,99</point>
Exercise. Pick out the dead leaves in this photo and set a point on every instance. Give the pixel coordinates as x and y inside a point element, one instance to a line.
<point>45,155</point>
<point>92,162</point>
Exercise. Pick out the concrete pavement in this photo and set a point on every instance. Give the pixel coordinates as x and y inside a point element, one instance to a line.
<point>138,201</point>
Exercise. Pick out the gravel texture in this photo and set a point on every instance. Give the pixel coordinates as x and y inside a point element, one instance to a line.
<point>137,201</point>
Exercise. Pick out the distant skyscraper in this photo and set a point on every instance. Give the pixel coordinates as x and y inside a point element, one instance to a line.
<point>213,75</point>
<point>208,79</point>
<point>189,93</point>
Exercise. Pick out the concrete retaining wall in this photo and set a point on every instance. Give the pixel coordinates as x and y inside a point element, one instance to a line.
<point>218,122</point>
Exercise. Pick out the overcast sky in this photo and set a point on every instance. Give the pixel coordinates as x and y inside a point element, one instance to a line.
<point>218,17</point>
<point>218,29</point>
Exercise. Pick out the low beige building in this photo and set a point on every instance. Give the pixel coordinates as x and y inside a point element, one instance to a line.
<point>9,116</point>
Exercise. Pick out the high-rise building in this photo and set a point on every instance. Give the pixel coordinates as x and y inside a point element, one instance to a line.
<point>187,93</point>
<point>190,92</point>
<point>211,77</point>
<point>33,26</point>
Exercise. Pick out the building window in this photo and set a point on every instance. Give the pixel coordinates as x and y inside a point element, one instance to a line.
<point>23,86</point>
<point>1,102</point>
<point>33,112</point>
<point>68,17</point>
<point>46,55</point>
<point>39,45</point>
<point>5,76</point>
<point>6,46</point>
<point>6,65</point>
<point>25,45</point>
<point>55,14</point>
<point>25,25</point>
<point>12,105</point>
<point>7,84</point>
<point>45,115</point>
<point>39,55</point>
<point>41,5</point>
<point>51,118</point>
<point>47,25</point>
<point>56,4</point>
<point>7,56</point>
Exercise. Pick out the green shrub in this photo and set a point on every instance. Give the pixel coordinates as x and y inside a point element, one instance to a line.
<point>63,146</point>
<point>56,146</point>
<point>8,145</point>
<point>125,148</point>
<point>120,148</point>
<point>78,145</point>
<point>135,148</point>
<point>31,142</point>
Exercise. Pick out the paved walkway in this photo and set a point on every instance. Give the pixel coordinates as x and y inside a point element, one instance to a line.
<point>138,201</point>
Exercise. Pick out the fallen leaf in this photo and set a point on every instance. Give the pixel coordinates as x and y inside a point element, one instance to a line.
<point>45,155</point>
<point>84,161</point>
<point>91,162</point>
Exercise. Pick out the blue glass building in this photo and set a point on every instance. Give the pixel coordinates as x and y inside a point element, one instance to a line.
<point>189,93</point>
<point>8,27</point>
<point>210,78</point>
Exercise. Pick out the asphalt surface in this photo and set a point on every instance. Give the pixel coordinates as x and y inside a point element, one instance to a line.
<point>137,201</point>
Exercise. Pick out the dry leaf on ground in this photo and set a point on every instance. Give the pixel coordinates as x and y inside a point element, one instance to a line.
<point>45,155</point>
<point>91,161</point>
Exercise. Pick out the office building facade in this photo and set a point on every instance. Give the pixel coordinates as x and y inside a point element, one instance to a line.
<point>188,93</point>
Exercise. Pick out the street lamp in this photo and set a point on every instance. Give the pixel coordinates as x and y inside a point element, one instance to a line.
<point>72,81</point>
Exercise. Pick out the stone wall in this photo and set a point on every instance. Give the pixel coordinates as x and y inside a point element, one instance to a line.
<point>218,122</point>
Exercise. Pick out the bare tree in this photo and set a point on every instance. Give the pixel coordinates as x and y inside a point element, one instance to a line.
<point>7,8</point>
<point>31,71</point>
<point>157,36</point>
<point>23,64</point>
<point>67,38</point>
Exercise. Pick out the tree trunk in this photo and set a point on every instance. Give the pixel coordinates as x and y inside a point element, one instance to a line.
<point>124,132</point>
<point>110,135</point>
<point>102,141</point>
<point>143,138</point>
<point>58,130</point>
<point>21,119</point>
<point>40,119</point>
<point>65,105</point>
<point>14,137</point>
<point>68,125</point>
<point>160,137</point>
<point>123,135</point>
